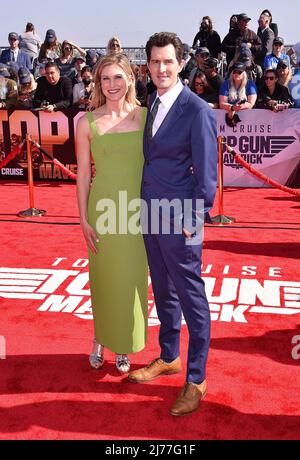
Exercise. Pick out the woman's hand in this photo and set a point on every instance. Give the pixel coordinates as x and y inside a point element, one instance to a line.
<point>272,104</point>
<point>90,236</point>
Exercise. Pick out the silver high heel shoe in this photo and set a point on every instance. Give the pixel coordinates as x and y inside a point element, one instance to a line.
<point>96,358</point>
<point>122,363</point>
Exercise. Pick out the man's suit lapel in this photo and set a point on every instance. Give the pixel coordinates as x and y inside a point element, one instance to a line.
<point>174,113</point>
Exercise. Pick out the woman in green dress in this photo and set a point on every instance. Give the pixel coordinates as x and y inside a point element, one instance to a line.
<point>112,135</point>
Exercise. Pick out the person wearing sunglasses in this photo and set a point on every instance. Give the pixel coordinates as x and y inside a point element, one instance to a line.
<point>237,92</point>
<point>208,37</point>
<point>67,59</point>
<point>284,72</point>
<point>273,96</point>
<point>273,26</point>
<point>202,88</point>
<point>114,46</point>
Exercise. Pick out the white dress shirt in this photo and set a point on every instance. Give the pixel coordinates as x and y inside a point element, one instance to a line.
<point>166,102</point>
<point>15,52</point>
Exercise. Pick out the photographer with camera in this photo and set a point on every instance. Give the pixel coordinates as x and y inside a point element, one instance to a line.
<point>208,38</point>
<point>273,96</point>
<point>82,91</point>
<point>238,35</point>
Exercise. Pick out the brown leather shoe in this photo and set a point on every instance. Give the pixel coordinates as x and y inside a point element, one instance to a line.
<point>155,369</point>
<point>189,399</point>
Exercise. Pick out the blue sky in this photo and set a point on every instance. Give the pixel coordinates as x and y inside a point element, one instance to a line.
<point>93,22</point>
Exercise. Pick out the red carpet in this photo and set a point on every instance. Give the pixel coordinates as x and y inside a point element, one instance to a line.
<point>47,390</point>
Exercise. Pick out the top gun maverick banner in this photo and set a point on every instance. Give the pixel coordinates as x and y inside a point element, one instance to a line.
<point>268,141</point>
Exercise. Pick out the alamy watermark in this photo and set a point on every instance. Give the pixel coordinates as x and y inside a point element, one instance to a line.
<point>2,347</point>
<point>155,216</point>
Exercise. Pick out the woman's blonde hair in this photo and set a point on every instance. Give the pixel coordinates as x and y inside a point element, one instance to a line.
<point>32,87</point>
<point>110,42</point>
<point>285,79</point>
<point>238,94</point>
<point>98,99</point>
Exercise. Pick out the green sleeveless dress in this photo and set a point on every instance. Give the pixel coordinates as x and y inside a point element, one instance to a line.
<point>118,272</point>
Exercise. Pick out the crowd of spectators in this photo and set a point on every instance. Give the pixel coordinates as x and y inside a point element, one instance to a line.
<point>50,75</point>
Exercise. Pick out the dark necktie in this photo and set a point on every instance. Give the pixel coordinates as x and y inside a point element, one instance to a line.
<point>152,116</point>
<point>13,56</point>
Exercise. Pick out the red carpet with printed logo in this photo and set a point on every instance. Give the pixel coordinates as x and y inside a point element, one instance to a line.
<point>251,269</point>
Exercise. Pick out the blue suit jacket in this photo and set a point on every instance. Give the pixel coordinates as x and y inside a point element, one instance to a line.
<point>186,138</point>
<point>23,59</point>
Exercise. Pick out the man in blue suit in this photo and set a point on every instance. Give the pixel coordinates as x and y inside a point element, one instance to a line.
<point>180,149</point>
<point>14,54</point>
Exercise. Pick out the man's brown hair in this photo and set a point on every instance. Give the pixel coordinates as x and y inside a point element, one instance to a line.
<point>162,39</point>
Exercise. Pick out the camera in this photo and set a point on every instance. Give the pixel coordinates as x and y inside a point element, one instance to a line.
<point>281,106</point>
<point>44,104</point>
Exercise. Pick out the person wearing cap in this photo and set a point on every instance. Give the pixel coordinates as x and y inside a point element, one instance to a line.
<point>26,89</point>
<point>190,63</point>
<point>241,34</point>
<point>201,55</point>
<point>272,95</point>
<point>53,91</point>
<point>30,42</point>
<point>244,55</point>
<point>271,60</point>
<point>51,48</point>
<point>212,74</point>
<point>237,92</point>
<point>242,51</point>
<point>66,61</point>
<point>92,58</point>
<point>266,34</point>
<point>208,38</point>
<point>8,89</point>
<point>79,63</point>
<point>284,72</point>
<point>14,54</point>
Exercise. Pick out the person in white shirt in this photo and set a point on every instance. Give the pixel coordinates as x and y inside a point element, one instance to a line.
<point>14,55</point>
<point>180,173</point>
<point>30,42</point>
<point>82,91</point>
